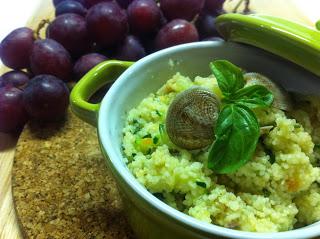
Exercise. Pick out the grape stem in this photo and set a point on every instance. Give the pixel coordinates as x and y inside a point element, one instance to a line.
<point>246,6</point>
<point>41,25</point>
<point>195,19</point>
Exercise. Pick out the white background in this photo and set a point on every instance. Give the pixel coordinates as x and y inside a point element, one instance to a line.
<point>15,13</point>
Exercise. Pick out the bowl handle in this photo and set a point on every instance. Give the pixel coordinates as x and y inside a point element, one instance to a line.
<point>105,72</point>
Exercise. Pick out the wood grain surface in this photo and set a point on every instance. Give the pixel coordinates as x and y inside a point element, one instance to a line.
<point>9,227</point>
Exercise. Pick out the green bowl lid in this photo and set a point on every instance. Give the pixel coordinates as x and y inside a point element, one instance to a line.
<point>292,41</point>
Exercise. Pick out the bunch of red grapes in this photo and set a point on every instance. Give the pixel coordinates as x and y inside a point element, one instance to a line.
<point>83,34</point>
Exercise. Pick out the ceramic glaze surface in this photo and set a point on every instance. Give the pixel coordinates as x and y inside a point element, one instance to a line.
<point>292,41</point>
<point>145,77</point>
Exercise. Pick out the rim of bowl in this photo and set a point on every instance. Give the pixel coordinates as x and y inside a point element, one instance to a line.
<point>143,193</point>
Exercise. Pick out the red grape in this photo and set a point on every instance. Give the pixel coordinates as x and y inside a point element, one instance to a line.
<point>176,32</point>
<point>213,7</point>
<point>70,6</point>
<point>144,16</point>
<point>107,23</point>
<point>71,32</point>
<point>206,25</point>
<point>46,98</point>
<point>130,50</point>
<point>50,57</point>
<point>90,3</point>
<point>57,2</point>
<point>124,3</point>
<point>17,79</point>
<point>163,20</point>
<point>86,63</point>
<point>12,113</point>
<point>186,9</point>
<point>16,47</point>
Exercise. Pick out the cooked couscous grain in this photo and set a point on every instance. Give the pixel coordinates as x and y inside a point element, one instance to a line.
<point>275,191</point>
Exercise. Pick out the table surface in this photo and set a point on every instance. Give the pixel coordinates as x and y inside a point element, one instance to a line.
<point>304,11</point>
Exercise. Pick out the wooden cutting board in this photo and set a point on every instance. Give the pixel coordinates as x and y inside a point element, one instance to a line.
<point>9,226</point>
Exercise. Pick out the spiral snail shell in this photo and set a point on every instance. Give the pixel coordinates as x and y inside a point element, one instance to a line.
<point>191,118</point>
<point>281,100</point>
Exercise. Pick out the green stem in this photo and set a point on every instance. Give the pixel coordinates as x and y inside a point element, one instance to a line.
<point>247,6</point>
<point>237,6</point>
<point>41,25</point>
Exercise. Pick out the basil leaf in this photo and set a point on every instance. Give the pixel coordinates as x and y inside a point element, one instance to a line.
<point>237,135</point>
<point>159,196</point>
<point>201,184</point>
<point>229,77</point>
<point>253,96</point>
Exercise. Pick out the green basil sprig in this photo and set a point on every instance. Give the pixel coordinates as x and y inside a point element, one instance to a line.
<point>237,133</point>
<point>237,129</point>
<point>254,96</point>
<point>230,77</point>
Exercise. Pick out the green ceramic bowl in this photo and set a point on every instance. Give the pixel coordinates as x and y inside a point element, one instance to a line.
<point>149,217</point>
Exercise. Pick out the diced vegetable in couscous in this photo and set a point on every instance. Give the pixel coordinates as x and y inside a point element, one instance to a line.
<point>277,190</point>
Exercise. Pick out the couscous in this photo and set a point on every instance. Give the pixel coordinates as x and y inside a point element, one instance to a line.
<point>278,189</point>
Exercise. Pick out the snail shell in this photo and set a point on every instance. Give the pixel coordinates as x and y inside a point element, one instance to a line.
<point>191,118</point>
<point>282,98</point>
